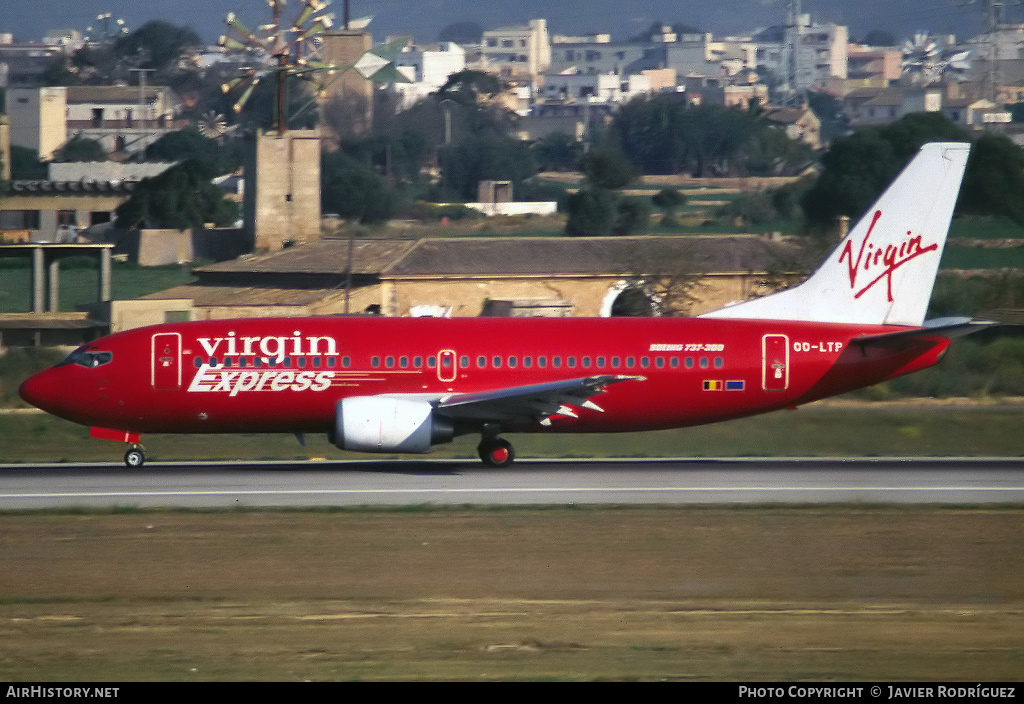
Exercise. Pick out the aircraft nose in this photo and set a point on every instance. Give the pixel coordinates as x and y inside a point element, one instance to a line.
<point>40,390</point>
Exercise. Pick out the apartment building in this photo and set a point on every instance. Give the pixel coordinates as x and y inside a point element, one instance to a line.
<point>521,53</point>
<point>427,68</point>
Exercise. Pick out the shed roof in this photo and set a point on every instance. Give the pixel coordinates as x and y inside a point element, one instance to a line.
<point>510,256</point>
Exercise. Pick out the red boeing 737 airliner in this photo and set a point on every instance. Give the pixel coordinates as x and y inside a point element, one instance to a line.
<point>403,385</point>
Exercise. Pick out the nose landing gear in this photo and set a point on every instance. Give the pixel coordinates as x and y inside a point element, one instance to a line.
<point>135,457</point>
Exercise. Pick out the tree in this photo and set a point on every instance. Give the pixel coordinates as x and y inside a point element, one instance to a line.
<point>189,143</point>
<point>481,157</point>
<point>598,208</point>
<point>26,166</point>
<point>353,191</point>
<point>179,198</point>
<point>159,45</point>
<point>665,279</point>
<point>557,152</point>
<point>607,168</point>
<point>461,33</point>
<point>994,181</point>
<point>859,167</point>
<point>80,148</point>
<point>669,200</point>
<point>663,135</point>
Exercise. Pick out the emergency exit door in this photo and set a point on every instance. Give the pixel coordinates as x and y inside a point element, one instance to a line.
<point>775,362</point>
<point>166,361</point>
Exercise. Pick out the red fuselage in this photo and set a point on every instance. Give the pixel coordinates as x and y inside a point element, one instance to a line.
<point>288,374</point>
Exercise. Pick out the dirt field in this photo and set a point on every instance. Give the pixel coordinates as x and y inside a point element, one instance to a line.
<point>745,594</point>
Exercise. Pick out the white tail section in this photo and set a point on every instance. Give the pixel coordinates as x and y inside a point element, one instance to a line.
<point>884,270</point>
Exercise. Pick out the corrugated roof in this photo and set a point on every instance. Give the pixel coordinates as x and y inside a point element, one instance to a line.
<point>244,295</point>
<point>579,256</point>
<point>323,257</point>
<point>510,256</point>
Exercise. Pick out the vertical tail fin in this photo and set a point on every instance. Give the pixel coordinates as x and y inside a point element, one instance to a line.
<point>884,269</point>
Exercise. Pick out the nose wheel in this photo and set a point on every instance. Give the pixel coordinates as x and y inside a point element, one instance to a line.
<point>496,452</point>
<point>135,457</point>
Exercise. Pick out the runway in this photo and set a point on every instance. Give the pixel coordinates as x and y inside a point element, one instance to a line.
<point>529,482</point>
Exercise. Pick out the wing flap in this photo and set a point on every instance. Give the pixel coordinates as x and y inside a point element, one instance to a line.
<point>532,402</point>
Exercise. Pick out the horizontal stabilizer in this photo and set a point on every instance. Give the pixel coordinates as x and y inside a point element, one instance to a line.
<point>940,327</point>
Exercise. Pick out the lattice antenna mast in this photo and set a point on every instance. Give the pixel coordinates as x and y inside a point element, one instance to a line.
<point>995,18</point>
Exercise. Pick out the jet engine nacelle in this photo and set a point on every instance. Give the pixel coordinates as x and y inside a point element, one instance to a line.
<point>385,424</point>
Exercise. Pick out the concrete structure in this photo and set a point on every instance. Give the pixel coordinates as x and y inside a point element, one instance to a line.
<point>45,324</point>
<point>521,53</point>
<point>282,188</point>
<point>349,90</point>
<point>55,211</point>
<point>822,51</point>
<point>799,124</point>
<point>22,65</point>
<point>38,119</point>
<point>465,276</point>
<point>427,69</point>
<point>583,87</point>
<point>872,67</point>
<point>123,119</point>
<point>5,148</point>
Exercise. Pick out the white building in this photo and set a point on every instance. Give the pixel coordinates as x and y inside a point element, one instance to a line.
<point>428,68</point>
<point>821,52</point>
<point>591,87</point>
<point>520,53</point>
<point>38,119</point>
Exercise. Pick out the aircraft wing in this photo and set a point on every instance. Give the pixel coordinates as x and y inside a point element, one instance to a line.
<point>533,402</point>
<point>941,327</point>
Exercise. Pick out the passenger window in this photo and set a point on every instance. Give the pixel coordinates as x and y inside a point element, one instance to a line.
<point>601,362</point>
<point>586,362</point>
<point>542,361</point>
<point>301,362</point>
<point>463,362</point>
<point>417,362</point>
<point>630,362</point>
<point>659,362</point>
<point>556,362</point>
<point>703,362</point>
<point>481,362</point>
<point>496,360</point>
<point>719,362</point>
<point>527,361</point>
<point>645,362</point>
<point>689,362</point>
<point>375,362</point>
<point>616,362</point>
<point>570,362</point>
<point>513,362</point>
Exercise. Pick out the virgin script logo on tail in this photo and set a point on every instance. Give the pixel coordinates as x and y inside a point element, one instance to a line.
<point>878,263</point>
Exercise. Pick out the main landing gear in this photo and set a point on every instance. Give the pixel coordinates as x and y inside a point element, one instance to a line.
<point>496,452</point>
<point>135,457</point>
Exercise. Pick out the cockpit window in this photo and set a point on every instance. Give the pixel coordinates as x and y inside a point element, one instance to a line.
<point>88,358</point>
